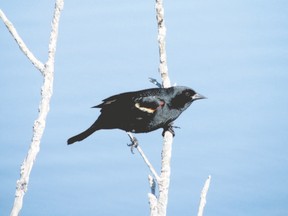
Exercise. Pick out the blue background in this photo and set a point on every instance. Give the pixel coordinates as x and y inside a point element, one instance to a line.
<point>233,52</point>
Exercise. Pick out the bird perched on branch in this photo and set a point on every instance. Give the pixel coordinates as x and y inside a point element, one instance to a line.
<point>141,111</point>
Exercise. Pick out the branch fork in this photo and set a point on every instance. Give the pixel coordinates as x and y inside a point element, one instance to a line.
<point>47,71</point>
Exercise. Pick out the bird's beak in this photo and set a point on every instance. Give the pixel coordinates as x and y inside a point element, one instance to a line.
<point>198,96</point>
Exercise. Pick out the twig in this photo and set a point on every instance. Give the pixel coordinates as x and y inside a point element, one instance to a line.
<point>203,196</point>
<point>148,164</point>
<point>152,170</point>
<point>38,64</point>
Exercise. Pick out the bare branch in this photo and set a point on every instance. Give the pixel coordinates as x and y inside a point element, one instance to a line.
<point>153,204</point>
<point>165,173</point>
<point>38,64</point>
<point>148,164</point>
<point>40,122</point>
<point>163,69</point>
<point>168,137</point>
<point>152,170</point>
<point>203,196</point>
<point>54,32</point>
<point>152,197</point>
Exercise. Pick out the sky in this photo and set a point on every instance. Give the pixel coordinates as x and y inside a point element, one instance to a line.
<point>233,52</point>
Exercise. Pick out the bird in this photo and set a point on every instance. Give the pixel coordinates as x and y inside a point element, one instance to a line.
<point>141,111</point>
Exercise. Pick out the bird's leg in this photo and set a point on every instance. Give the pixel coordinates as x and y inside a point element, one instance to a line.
<point>169,128</point>
<point>134,142</point>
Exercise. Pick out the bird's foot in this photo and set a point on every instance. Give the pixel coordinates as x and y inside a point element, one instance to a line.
<point>134,142</point>
<point>154,81</point>
<point>169,128</point>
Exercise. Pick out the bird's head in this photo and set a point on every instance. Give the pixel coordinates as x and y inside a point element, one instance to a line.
<point>184,96</point>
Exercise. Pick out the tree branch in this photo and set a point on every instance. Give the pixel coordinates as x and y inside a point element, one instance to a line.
<point>203,196</point>
<point>165,174</point>
<point>46,93</point>
<point>38,64</point>
<point>168,137</point>
<point>152,196</point>
<point>152,170</point>
<point>163,69</point>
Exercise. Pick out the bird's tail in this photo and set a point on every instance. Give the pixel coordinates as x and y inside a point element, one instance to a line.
<point>82,135</point>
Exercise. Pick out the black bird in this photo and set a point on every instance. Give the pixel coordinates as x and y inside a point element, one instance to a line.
<point>141,111</point>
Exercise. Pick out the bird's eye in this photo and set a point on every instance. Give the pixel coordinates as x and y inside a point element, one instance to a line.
<point>187,93</point>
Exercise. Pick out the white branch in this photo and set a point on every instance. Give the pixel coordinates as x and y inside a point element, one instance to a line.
<point>153,171</point>
<point>54,32</point>
<point>153,204</point>
<point>203,196</point>
<point>165,174</point>
<point>40,122</point>
<point>163,69</point>
<point>38,64</point>
<point>168,137</point>
<point>152,197</point>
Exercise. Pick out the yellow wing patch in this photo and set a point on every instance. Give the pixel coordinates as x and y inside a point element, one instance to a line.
<point>144,109</point>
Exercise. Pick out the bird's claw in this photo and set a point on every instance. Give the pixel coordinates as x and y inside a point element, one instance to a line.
<point>169,128</point>
<point>154,81</point>
<point>133,144</point>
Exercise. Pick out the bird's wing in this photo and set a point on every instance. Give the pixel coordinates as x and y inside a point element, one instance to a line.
<point>148,104</point>
<point>143,97</point>
<point>113,99</point>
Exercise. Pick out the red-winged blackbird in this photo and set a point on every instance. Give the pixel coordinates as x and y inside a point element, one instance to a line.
<point>141,111</point>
